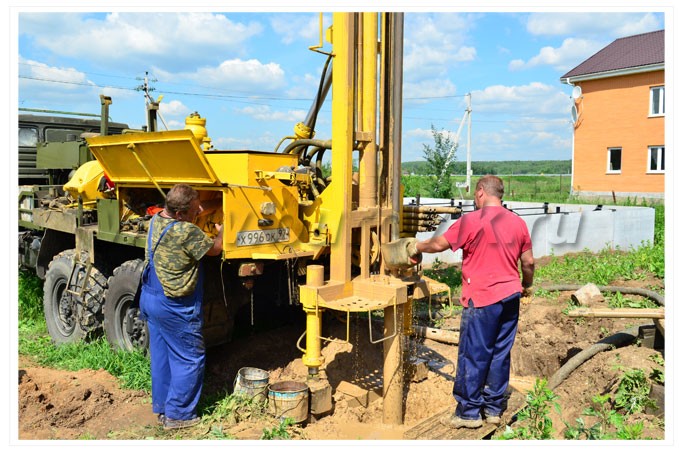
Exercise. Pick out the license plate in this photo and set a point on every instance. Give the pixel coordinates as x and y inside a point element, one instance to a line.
<point>261,236</point>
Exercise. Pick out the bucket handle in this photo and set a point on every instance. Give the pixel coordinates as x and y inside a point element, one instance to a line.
<point>282,415</point>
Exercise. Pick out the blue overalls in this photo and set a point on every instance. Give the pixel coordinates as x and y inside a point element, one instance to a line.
<point>483,371</point>
<point>176,343</point>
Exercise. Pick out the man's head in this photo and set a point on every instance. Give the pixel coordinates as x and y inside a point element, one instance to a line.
<point>489,191</point>
<point>182,202</point>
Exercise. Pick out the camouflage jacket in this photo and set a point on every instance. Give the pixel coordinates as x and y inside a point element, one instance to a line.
<point>176,259</point>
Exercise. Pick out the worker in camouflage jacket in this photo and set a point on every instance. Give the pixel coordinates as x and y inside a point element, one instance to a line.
<point>171,302</point>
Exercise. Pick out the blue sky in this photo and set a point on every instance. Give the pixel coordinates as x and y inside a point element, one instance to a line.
<point>251,75</point>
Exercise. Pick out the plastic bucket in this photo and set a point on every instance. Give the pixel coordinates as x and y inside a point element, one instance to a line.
<point>251,382</point>
<point>289,399</point>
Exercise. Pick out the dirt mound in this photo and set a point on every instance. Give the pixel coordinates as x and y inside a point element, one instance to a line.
<point>57,404</point>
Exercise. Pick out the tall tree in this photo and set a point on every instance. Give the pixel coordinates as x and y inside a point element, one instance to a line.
<point>441,162</point>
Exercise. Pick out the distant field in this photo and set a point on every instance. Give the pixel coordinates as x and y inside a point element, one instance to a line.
<point>517,167</point>
<point>541,188</point>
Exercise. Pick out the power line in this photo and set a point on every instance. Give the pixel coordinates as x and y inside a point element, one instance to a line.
<point>254,100</point>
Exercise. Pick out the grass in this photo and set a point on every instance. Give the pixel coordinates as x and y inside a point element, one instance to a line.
<point>131,368</point>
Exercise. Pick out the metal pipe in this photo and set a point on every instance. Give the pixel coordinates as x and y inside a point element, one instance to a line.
<point>367,93</point>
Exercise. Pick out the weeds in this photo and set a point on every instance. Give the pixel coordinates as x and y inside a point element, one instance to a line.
<point>632,396</point>
<point>279,431</point>
<point>232,408</point>
<point>617,300</point>
<point>536,424</point>
<point>610,423</point>
<point>633,392</point>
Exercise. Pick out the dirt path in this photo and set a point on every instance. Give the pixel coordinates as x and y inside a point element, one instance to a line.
<point>88,404</point>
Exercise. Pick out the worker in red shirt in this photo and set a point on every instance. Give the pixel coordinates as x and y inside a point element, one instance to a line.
<point>493,241</point>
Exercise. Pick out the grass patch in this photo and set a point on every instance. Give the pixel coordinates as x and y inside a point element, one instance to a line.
<point>132,368</point>
<point>603,267</point>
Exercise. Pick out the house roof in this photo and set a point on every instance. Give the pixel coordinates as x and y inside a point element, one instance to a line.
<point>631,52</point>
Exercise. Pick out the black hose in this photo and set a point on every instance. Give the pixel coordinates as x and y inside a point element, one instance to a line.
<point>293,147</point>
<point>619,339</point>
<point>659,299</point>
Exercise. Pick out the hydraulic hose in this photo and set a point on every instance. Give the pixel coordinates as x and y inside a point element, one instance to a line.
<point>659,299</point>
<point>619,339</point>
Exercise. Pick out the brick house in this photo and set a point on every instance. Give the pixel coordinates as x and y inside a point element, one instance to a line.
<point>619,120</point>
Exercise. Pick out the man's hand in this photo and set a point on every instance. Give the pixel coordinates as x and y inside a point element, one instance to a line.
<point>411,247</point>
<point>401,253</point>
<point>527,294</point>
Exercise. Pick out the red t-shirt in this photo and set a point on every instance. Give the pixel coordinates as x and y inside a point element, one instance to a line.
<point>492,240</point>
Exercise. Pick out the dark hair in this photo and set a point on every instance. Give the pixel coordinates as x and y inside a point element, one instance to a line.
<point>179,198</point>
<point>492,185</point>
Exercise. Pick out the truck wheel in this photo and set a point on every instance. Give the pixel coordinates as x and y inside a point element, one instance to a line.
<point>69,317</point>
<point>122,324</point>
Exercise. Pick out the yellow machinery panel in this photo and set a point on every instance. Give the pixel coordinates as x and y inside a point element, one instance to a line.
<point>150,158</point>
<point>261,215</point>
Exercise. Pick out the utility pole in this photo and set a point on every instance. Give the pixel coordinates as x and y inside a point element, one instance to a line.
<point>469,139</point>
<point>151,106</point>
<point>467,117</point>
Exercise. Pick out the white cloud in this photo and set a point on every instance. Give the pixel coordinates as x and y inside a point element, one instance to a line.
<point>592,24</point>
<point>265,113</point>
<point>563,58</point>
<point>172,40</point>
<point>291,27</point>
<point>173,108</point>
<point>434,42</point>
<point>69,77</point>
<point>532,99</point>
<point>246,76</point>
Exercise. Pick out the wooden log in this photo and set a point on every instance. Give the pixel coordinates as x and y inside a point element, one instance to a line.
<point>625,313</point>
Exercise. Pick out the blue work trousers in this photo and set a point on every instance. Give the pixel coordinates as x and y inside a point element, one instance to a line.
<point>483,372</point>
<point>176,347</point>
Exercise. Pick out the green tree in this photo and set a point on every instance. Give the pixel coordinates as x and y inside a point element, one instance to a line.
<point>441,162</point>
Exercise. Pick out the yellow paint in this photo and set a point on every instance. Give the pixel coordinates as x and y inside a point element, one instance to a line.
<point>85,181</point>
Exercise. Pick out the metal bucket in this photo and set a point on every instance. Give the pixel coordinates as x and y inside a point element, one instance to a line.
<point>251,382</point>
<point>289,399</point>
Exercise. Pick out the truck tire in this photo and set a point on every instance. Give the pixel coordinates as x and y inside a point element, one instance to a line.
<point>70,318</point>
<point>123,327</point>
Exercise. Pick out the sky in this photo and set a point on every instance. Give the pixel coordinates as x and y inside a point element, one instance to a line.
<point>250,73</point>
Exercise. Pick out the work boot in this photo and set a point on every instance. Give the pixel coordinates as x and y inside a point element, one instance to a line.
<point>493,419</point>
<point>454,421</point>
<point>170,424</point>
<point>161,418</point>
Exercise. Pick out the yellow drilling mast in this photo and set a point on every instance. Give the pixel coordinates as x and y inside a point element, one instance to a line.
<point>366,118</point>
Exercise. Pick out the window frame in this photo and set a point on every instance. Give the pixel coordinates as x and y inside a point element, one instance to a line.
<point>609,159</point>
<point>661,93</point>
<point>661,154</point>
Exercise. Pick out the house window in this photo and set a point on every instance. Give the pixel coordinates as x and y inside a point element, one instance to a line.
<point>614,160</point>
<point>656,159</point>
<point>657,101</point>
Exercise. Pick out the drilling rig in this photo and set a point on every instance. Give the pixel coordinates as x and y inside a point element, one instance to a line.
<point>286,225</point>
